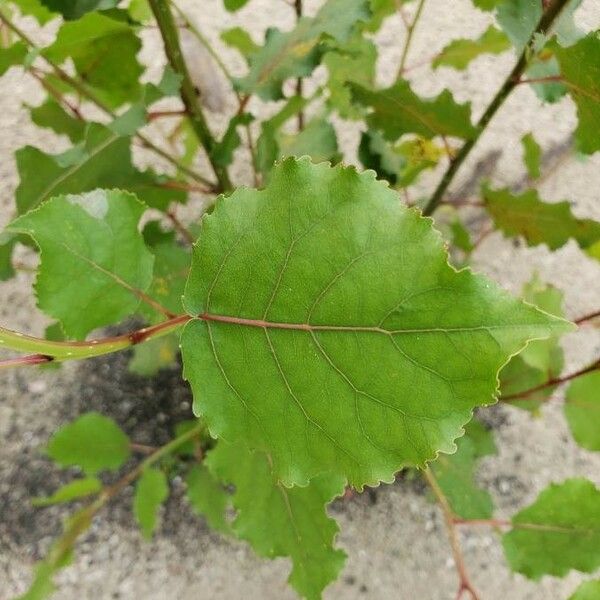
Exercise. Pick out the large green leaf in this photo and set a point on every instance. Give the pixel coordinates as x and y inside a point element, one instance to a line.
<point>560,531</point>
<point>208,497</point>
<point>93,442</point>
<point>580,69</point>
<point>296,53</point>
<point>94,261</point>
<point>151,491</point>
<point>103,50</point>
<point>538,222</point>
<point>279,521</point>
<point>73,9</point>
<point>333,334</point>
<point>582,409</point>
<point>398,110</point>
<point>459,53</point>
<point>101,160</point>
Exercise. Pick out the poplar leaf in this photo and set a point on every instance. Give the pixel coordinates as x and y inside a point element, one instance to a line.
<point>94,262</point>
<point>281,521</point>
<point>582,410</point>
<point>208,497</point>
<point>538,222</point>
<point>459,53</point>
<point>93,442</point>
<point>580,69</point>
<point>151,491</point>
<point>71,491</point>
<point>240,39</point>
<point>51,114</point>
<point>331,332</point>
<point>11,56</point>
<point>74,9</point>
<point>532,155</point>
<point>560,531</point>
<point>398,110</point>
<point>297,52</point>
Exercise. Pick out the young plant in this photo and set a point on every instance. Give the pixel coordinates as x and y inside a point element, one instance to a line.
<point>328,338</point>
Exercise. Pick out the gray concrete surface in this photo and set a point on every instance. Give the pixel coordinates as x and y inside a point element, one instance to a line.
<point>394,535</point>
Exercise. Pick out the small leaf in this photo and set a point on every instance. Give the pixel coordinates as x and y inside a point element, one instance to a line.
<point>74,9</point>
<point>222,152</point>
<point>296,53</point>
<point>51,115</point>
<point>538,222</point>
<point>338,338</point>
<point>588,590</point>
<point>398,110</point>
<point>518,19</point>
<point>92,442</point>
<point>240,39</point>
<point>460,53</point>
<point>12,56</point>
<point>582,410</point>
<point>317,140</point>
<point>233,5</point>
<point>580,69</point>
<point>532,155</point>
<point>560,531</point>
<point>151,491</point>
<point>94,262</point>
<point>280,521</point>
<point>208,497</point>
<point>455,474</point>
<point>116,76</point>
<point>36,9</point>
<point>71,491</point>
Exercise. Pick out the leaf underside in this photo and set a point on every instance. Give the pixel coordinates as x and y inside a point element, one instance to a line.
<point>359,350</point>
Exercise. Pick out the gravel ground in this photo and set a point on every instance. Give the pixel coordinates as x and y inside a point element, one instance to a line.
<point>394,535</point>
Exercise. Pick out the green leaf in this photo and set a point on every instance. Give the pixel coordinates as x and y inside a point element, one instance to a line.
<point>588,590</point>
<point>296,53</point>
<point>233,5</point>
<point>459,53</point>
<point>71,491</point>
<point>11,56</point>
<point>240,39</point>
<point>538,222</point>
<point>92,442</point>
<point>317,140</point>
<point>281,521</point>
<point>74,9</point>
<point>582,410</point>
<point>208,497</point>
<point>116,76</point>
<point>7,244</point>
<point>399,164</point>
<point>455,475</point>
<point>560,531</point>
<point>140,11</point>
<point>223,150</point>
<point>580,69</point>
<point>487,5</point>
<point>151,491</point>
<point>35,9</point>
<point>94,261</point>
<point>50,114</point>
<point>543,66</point>
<point>344,303</point>
<point>101,160</point>
<point>149,358</point>
<point>398,110</point>
<point>518,19</point>
<point>354,62</point>
<point>532,155</point>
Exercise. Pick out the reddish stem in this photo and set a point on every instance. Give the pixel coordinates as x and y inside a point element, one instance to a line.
<point>587,318</point>
<point>159,114</point>
<point>25,361</point>
<point>180,227</point>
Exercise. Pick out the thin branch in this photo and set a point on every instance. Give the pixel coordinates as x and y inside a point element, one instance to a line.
<point>89,95</point>
<point>180,227</point>
<point>61,351</point>
<point>586,318</point>
<point>299,81</point>
<point>464,582</point>
<point>189,93</point>
<point>595,366</point>
<point>409,35</point>
<point>540,79</point>
<point>160,114</point>
<point>545,23</point>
